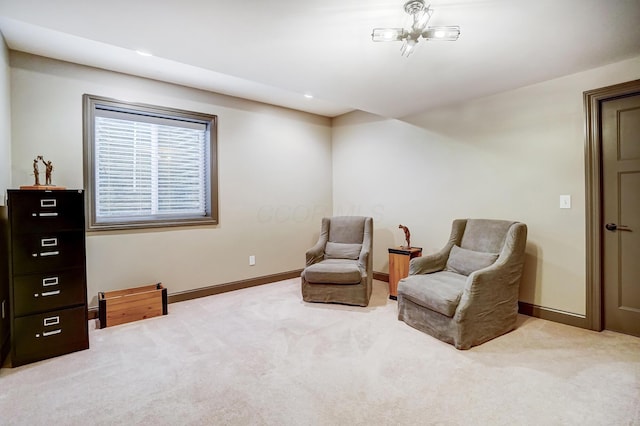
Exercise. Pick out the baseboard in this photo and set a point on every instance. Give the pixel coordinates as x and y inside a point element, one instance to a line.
<point>381,276</point>
<point>219,288</point>
<point>551,314</point>
<point>523,307</point>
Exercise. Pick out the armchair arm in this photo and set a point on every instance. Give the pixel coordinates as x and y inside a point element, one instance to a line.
<point>437,261</point>
<point>430,263</point>
<point>363,260</point>
<point>496,286</point>
<point>489,289</point>
<point>316,253</point>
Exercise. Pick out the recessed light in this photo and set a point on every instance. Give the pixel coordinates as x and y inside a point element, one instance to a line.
<point>308,95</point>
<point>143,53</point>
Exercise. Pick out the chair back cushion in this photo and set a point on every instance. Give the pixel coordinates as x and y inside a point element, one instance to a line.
<point>464,262</point>
<point>485,235</point>
<point>346,229</point>
<point>342,251</point>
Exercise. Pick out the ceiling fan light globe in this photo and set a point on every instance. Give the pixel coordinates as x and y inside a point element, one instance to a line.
<point>387,34</point>
<point>450,33</point>
<point>422,18</point>
<point>408,47</point>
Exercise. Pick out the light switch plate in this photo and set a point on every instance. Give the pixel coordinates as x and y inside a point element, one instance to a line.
<point>565,201</point>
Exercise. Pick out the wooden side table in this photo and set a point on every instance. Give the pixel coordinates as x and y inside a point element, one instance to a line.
<point>399,258</point>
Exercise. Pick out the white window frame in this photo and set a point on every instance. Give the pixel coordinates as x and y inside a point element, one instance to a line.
<point>92,104</point>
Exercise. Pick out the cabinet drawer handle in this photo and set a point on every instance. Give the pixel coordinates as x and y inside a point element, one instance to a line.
<point>48,203</point>
<point>51,321</point>
<point>48,242</point>
<point>50,333</point>
<point>49,253</point>
<point>50,293</point>
<point>46,282</point>
<point>47,214</point>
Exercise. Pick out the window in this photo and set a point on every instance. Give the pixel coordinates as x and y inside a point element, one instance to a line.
<point>148,166</point>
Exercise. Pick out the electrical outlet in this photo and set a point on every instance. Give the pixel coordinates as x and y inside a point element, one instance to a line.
<point>565,201</point>
<point>252,260</point>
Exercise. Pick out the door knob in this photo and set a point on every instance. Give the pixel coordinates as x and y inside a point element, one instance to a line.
<point>614,227</point>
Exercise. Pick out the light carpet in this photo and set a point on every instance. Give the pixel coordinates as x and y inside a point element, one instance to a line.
<point>261,356</point>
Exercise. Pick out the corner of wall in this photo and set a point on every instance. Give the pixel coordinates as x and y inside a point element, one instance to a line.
<point>5,120</point>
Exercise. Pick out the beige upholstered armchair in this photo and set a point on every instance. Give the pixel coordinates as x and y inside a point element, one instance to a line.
<point>467,293</point>
<point>339,267</point>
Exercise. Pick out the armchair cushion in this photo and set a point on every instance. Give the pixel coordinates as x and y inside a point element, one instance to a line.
<point>342,251</point>
<point>439,292</point>
<point>333,271</point>
<point>463,261</point>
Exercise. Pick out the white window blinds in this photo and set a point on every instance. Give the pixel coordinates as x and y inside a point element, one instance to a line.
<point>148,167</point>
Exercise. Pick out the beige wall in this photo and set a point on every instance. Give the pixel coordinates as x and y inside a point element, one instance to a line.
<point>508,156</point>
<point>5,120</point>
<point>274,178</point>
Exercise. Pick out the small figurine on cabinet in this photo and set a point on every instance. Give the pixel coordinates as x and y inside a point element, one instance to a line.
<point>48,169</point>
<point>36,172</point>
<point>407,235</point>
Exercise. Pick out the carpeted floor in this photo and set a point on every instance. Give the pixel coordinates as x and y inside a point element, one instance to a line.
<point>261,356</point>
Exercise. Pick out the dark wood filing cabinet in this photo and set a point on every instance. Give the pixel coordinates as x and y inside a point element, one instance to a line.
<point>47,274</point>
<point>4,285</point>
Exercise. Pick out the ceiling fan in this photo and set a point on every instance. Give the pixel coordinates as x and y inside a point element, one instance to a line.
<point>420,15</point>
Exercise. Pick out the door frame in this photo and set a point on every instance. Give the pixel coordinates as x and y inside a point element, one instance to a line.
<point>593,196</point>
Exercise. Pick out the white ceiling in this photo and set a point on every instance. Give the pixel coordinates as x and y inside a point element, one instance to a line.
<point>275,51</point>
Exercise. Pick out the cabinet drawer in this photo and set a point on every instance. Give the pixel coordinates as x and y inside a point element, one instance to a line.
<point>46,335</point>
<point>34,253</point>
<point>45,292</point>
<point>38,211</point>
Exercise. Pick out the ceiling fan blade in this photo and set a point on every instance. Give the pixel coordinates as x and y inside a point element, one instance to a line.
<point>389,34</point>
<point>450,33</point>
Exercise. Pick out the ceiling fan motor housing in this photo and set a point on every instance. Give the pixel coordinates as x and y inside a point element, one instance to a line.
<point>414,6</point>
